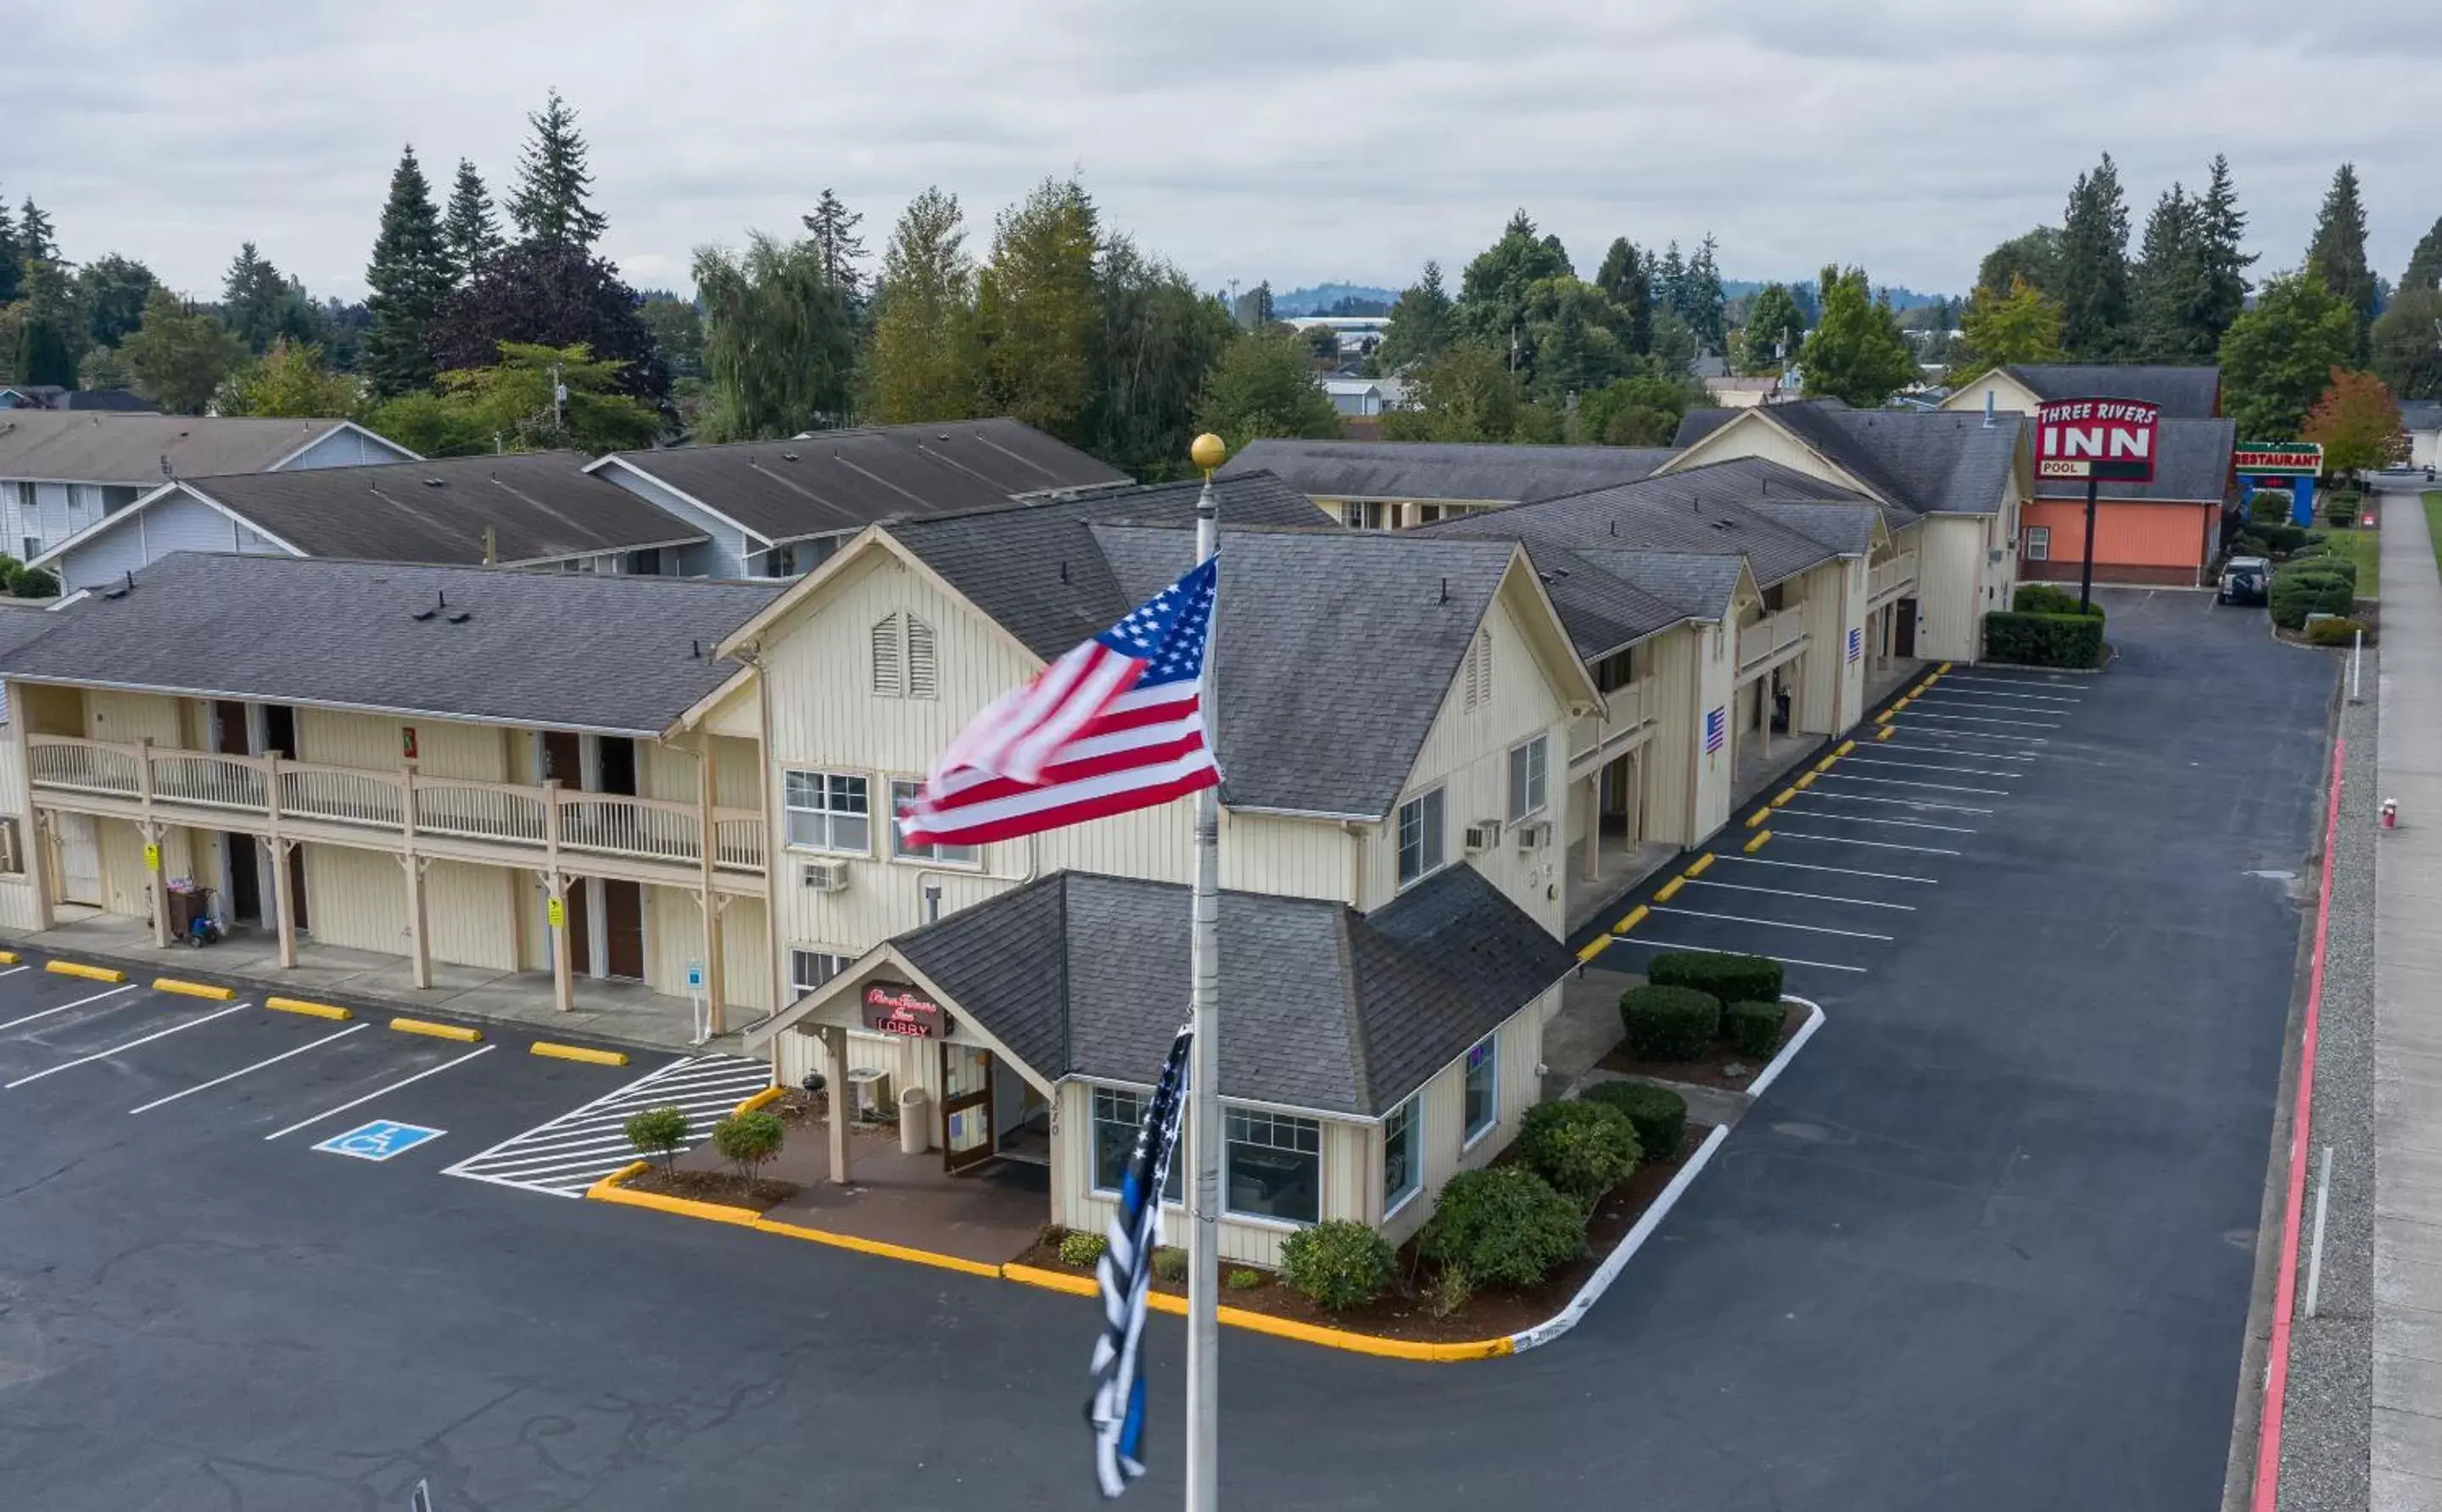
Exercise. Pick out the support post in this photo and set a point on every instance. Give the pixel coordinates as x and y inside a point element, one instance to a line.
<point>835,1094</point>
<point>284,900</point>
<point>1203,1100</point>
<point>157,881</point>
<point>419,949</point>
<point>563,973</point>
<point>2086,564</point>
<point>717,1012</point>
<point>1592,870</point>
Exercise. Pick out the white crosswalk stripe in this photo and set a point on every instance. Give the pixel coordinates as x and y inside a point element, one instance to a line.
<point>581,1146</point>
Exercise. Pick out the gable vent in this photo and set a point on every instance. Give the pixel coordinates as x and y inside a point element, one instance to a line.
<point>923,677</point>
<point>889,668</point>
<point>1477,675</point>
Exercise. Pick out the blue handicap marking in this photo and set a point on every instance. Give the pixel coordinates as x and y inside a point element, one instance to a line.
<point>379,1139</point>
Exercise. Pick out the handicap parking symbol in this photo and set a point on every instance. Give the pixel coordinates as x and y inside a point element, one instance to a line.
<point>379,1139</point>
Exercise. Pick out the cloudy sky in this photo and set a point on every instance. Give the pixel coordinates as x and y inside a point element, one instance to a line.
<point>1246,139</point>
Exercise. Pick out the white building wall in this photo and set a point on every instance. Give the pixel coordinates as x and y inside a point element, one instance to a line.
<point>347,447</point>
<point>1956,584</point>
<point>177,523</point>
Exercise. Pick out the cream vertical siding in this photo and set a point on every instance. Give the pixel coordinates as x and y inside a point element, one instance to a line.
<point>1717,671</point>
<point>469,912</point>
<point>356,898</point>
<point>111,716</point>
<point>1678,745</point>
<point>1753,436</point>
<point>1952,579</point>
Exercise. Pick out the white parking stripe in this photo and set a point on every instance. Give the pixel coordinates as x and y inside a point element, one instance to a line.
<point>1972,752</point>
<point>1856,818</point>
<point>64,1007</point>
<point>564,1156</point>
<point>1783,892</point>
<point>1912,712</point>
<point>1903,782</point>
<point>1944,732</point>
<point>357,1103</point>
<point>1929,766</point>
<point>1767,923</point>
<point>14,970</point>
<point>2015,683</point>
<point>1844,840</point>
<point>204,1087</point>
<point>1980,701</point>
<point>104,1055</point>
<point>1904,803</point>
<point>1845,871</point>
<point>1785,960</point>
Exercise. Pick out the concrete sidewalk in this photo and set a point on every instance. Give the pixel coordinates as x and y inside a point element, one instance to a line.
<point>2407,1453</point>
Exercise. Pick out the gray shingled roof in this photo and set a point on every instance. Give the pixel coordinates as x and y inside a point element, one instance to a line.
<point>115,447</point>
<point>564,650</point>
<point>1343,1013</point>
<point>1703,510</point>
<point>1601,609</point>
<point>2184,393</point>
<point>1920,462</point>
<point>2420,414</point>
<point>541,506</point>
<point>1452,470</point>
<point>1699,587</point>
<point>2191,461</point>
<point>838,480</point>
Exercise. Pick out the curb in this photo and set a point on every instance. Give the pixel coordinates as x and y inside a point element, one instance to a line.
<point>769,1095</point>
<point>99,973</point>
<point>570,1052</point>
<point>1788,1051</point>
<point>7,957</point>
<point>463,1033</point>
<point>1592,1292</point>
<point>187,988</point>
<point>298,1005</point>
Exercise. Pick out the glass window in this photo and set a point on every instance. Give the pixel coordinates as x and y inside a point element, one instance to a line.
<point>1483,1087</point>
<point>1403,1158</point>
<point>2039,543</point>
<point>1420,836</point>
<point>827,812</point>
<point>809,969</point>
<point>1118,1114</point>
<point>1272,1166</point>
<point>903,792</point>
<point>1527,778</point>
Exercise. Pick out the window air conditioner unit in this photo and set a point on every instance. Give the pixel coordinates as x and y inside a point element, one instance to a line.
<point>1534,836</point>
<point>1484,835</point>
<point>826,876</point>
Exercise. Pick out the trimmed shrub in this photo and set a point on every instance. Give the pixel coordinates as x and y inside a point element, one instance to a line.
<point>2250,544</point>
<point>1583,1149</point>
<point>2270,505</point>
<point>2042,599</point>
<point>1081,1249</point>
<point>657,1134</point>
<point>1668,1023</point>
<point>1449,1291</point>
<point>747,1141</point>
<point>2282,537</point>
<point>2294,596</point>
<point>2341,632</point>
<point>1504,1226</point>
<point>1658,1115</point>
<point>1169,1264</point>
<point>1338,1265</point>
<point>2336,566</point>
<point>2044,640</point>
<point>1731,978</point>
<point>34,582</point>
<point>1242,1279</point>
<point>1754,1027</point>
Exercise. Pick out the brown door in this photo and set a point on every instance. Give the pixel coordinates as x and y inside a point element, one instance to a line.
<point>231,718</point>
<point>966,1106</point>
<point>618,765</point>
<point>623,929</point>
<point>297,885</point>
<point>562,757</point>
<point>1903,627</point>
<point>580,937</point>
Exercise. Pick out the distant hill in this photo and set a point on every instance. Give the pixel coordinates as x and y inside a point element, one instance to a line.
<point>1901,299</point>
<point>1324,298</point>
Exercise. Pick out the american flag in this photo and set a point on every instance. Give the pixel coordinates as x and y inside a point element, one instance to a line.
<point>1856,644</point>
<point>1716,723</point>
<point>1116,724</point>
<point>1117,1409</point>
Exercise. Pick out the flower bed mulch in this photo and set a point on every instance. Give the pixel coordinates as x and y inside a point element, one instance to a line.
<point>1489,1314</point>
<point>762,1193</point>
<point>1713,1068</point>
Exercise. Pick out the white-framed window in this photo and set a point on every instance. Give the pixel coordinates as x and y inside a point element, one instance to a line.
<point>1423,836</point>
<point>1272,1166</point>
<point>1529,777</point>
<point>1477,674</point>
<point>907,664</point>
<point>1403,1153</point>
<point>2039,543</point>
<point>1118,1114</point>
<point>1482,1098</point>
<point>903,792</point>
<point>809,969</point>
<point>828,812</point>
<point>1362,514</point>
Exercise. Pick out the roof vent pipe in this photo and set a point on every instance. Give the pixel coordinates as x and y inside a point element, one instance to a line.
<point>1988,409</point>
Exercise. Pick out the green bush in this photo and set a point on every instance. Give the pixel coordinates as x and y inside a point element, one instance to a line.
<point>747,1141</point>
<point>1658,1115</point>
<point>1242,1279</point>
<point>2333,633</point>
<point>2250,544</point>
<point>2270,505</point>
<point>2043,639</point>
<point>1169,1264</point>
<point>1728,977</point>
<point>1583,1149</point>
<point>1753,1027</point>
<point>2294,596</point>
<point>657,1134</point>
<point>1338,1265</point>
<point>2042,599</point>
<point>1504,1226</point>
<point>1081,1249</point>
<point>2282,537</point>
<point>2333,566</point>
<point>1668,1023</point>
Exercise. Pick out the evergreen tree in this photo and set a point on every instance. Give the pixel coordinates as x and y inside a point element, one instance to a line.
<point>469,232</point>
<point>2094,265</point>
<point>1423,321</point>
<point>11,274</point>
<point>1856,353</point>
<point>50,329</point>
<point>1668,275</point>
<point>35,241</point>
<point>1697,296</point>
<point>2167,286</point>
<point>1037,314</point>
<point>1492,291</point>
<point>409,275</point>
<point>923,365</point>
<point>1775,329</point>
<point>1157,343</point>
<point>1626,280</point>
<point>549,204</point>
<point>2424,264</point>
<point>838,248</point>
<point>2338,254</point>
<point>2221,260</point>
<point>263,304</point>
<point>2407,355</point>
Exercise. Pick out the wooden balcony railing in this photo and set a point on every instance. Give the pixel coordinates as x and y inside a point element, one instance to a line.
<point>408,803</point>
<point>1624,709</point>
<point>1768,637</point>
<point>1888,577</point>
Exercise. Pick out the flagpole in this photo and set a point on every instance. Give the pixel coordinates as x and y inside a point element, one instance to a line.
<point>1204,1075</point>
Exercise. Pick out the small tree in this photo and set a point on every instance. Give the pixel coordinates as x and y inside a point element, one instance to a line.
<point>1264,387</point>
<point>2358,422</point>
<point>747,1141</point>
<point>658,1134</point>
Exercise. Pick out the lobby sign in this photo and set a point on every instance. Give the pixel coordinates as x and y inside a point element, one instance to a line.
<point>2097,439</point>
<point>894,1007</point>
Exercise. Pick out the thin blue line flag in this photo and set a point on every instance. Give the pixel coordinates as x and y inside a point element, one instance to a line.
<point>1117,1409</point>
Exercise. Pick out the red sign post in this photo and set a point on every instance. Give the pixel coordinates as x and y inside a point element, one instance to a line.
<point>2100,441</point>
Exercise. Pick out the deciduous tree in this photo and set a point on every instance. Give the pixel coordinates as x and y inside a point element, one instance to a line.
<point>2034,256</point>
<point>1856,353</point>
<point>290,381</point>
<point>112,291</point>
<point>179,354</point>
<point>1264,385</point>
<point>550,295</point>
<point>2278,357</point>
<point>409,275</point>
<point>1156,343</point>
<point>1467,392</point>
<point>778,351</point>
<point>2358,422</point>
<point>1036,312</point>
<point>1492,291</point>
<point>514,400</point>
<point>1999,329</point>
<point>2407,343</point>
<point>1774,329</point>
<point>922,363</point>
<point>550,203</point>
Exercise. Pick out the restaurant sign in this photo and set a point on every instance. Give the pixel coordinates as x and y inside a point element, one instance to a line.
<point>2098,440</point>
<point>894,1007</point>
<point>2278,459</point>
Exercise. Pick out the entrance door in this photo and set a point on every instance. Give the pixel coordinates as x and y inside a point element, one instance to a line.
<point>966,1106</point>
<point>580,935</point>
<point>244,880</point>
<point>623,929</point>
<point>80,860</point>
<point>1903,627</point>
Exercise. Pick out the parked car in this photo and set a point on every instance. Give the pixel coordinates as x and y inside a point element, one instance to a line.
<point>2245,580</point>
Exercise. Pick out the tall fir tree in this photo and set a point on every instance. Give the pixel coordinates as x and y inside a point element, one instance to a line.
<point>11,274</point>
<point>2167,287</point>
<point>1626,280</point>
<point>469,232</point>
<point>1697,296</point>
<point>2222,260</point>
<point>2424,270</point>
<point>549,204</point>
<point>2094,265</point>
<point>1668,274</point>
<point>1423,321</point>
<point>838,246</point>
<point>409,275</point>
<point>2338,254</point>
<point>36,242</point>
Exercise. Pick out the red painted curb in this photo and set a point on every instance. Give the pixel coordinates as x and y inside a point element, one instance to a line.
<point>2285,1292</point>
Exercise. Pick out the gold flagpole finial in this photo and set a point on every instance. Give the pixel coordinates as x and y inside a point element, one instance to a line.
<point>1208,453</point>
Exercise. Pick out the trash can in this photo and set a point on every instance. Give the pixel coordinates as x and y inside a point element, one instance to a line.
<point>914,1121</point>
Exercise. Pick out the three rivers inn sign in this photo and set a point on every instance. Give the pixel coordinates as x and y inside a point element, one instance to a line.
<point>2100,441</point>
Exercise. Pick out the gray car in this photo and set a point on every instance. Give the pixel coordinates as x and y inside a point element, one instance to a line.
<point>2245,580</point>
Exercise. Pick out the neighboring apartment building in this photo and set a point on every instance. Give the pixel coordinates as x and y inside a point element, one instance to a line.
<point>62,471</point>
<point>1950,488</point>
<point>1396,484</point>
<point>779,508</point>
<point>535,509</point>
<point>2183,392</point>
